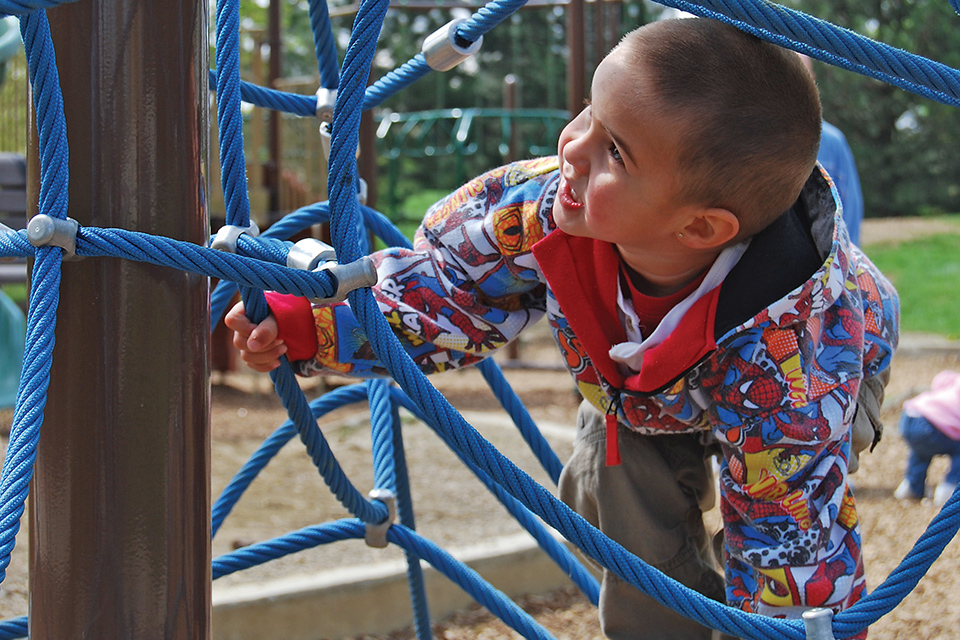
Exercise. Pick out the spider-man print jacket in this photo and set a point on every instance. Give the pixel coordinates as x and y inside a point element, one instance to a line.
<point>769,362</point>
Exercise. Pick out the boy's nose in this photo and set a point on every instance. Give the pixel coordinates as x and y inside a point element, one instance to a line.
<point>569,170</point>
<point>575,157</point>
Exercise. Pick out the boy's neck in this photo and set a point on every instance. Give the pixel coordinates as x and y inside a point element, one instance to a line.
<point>661,282</point>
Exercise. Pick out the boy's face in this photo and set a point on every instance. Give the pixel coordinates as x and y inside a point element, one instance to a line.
<point>618,166</point>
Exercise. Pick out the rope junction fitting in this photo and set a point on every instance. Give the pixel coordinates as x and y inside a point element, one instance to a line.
<point>325,139</point>
<point>376,534</point>
<point>441,50</point>
<point>818,624</point>
<point>227,236</point>
<point>311,254</point>
<point>326,100</point>
<point>362,191</point>
<point>307,254</point>
<point>47,231</point>
<point>350,276</point>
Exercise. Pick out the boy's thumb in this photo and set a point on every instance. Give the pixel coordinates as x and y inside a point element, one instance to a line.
<point>257,339</point>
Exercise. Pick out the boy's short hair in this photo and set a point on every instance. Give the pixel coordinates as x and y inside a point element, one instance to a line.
<point>748,113</point>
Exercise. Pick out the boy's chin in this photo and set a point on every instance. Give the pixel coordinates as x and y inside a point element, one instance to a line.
<point>566,222</point>
<point>571,227</point>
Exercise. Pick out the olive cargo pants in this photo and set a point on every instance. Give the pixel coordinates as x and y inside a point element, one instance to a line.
<point>653,505</point>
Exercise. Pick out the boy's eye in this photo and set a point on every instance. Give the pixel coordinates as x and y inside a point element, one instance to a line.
<point>615,153</point>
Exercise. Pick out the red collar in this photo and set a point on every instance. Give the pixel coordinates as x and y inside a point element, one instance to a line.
<point>583,273</point>
<point>651,310</point>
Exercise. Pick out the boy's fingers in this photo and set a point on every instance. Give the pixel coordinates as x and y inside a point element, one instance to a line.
<point>265,368</point>
<point>239,341</point>
<point>264,336</point>
<point>237,320</point>
<point>257,343</point>
<point>263,360</point>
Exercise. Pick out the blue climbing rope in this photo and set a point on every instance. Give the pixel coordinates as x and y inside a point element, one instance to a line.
<point>557,552</point>
<point>461,575</point>
<point>21,8</point>
<point>258,265</point>
<point>390,473</point>
<point>832,44</point>
<point>271,446</point>
<point>324,43</point>
<point>44,287</point>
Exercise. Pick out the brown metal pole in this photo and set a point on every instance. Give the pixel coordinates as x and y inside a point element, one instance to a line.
<point>576,72</point>
<point>510,103</point>
<point>120,502</point>
<point>368,156</point>
<point>367,163</point>
<point>272,173</point>
<point>615,24</point>
<point>599,41</point>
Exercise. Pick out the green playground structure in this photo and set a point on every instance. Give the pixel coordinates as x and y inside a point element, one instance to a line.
<point>12,321</point>
<point>10,43</point>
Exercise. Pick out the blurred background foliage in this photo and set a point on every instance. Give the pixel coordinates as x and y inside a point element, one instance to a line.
<point>907,147</point>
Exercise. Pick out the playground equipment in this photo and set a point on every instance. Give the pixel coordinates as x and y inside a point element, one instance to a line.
<point>12,208</point>
<point>133,568</point>
<point>13,88</point>
<point>448,133</point>
<point>9,43</point>
<point>12,330</point>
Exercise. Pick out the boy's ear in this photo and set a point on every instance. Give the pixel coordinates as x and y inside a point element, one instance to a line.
<point>710,228</point>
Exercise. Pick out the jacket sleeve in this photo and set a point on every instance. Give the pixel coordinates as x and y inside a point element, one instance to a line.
<point>881,311</point>
<point>792,530</point>
<point>467,287</point>
<point>881,314</point>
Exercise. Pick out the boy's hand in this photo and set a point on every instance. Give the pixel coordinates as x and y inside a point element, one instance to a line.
<point>257,343</point>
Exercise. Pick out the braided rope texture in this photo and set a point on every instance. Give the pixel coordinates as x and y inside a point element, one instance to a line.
<point>257,267</point>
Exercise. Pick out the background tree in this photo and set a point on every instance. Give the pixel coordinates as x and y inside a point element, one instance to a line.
<point>907,147</point>
<point>531,46</point>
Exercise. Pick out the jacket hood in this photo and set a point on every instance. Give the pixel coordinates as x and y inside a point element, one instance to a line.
<point>793,268</point>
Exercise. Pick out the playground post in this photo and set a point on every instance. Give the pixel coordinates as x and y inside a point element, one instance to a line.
<point>120,515</point>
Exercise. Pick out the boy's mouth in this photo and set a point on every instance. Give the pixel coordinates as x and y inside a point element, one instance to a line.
<point>568,197</point>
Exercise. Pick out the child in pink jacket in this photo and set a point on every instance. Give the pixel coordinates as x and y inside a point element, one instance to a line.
<point>930,423</point>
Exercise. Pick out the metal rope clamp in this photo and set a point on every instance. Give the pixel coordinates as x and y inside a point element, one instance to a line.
<point>818,623</point>
<point>227,236</point>
<point>362,191</point>
<point>325,140</point>
<point>376,535</point>
<point>442,52</point>
<point>46,231</point>
<point>326,101</point>
<point>311,254</point>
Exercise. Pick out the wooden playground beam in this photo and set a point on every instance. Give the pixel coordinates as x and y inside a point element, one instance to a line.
<point>576,62</point>
<point>428,5</point>
<point>120,499</point>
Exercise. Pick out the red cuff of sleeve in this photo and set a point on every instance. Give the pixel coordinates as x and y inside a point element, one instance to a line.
<point>295,324</point>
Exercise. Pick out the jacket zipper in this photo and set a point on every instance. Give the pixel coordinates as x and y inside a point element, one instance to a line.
<point>613,441</point>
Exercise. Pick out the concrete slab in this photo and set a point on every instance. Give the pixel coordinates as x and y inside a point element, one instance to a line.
<point>373,599</point>
<point>925,343</point>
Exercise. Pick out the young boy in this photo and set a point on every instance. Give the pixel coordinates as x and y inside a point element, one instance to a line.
<point>693,265</point>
